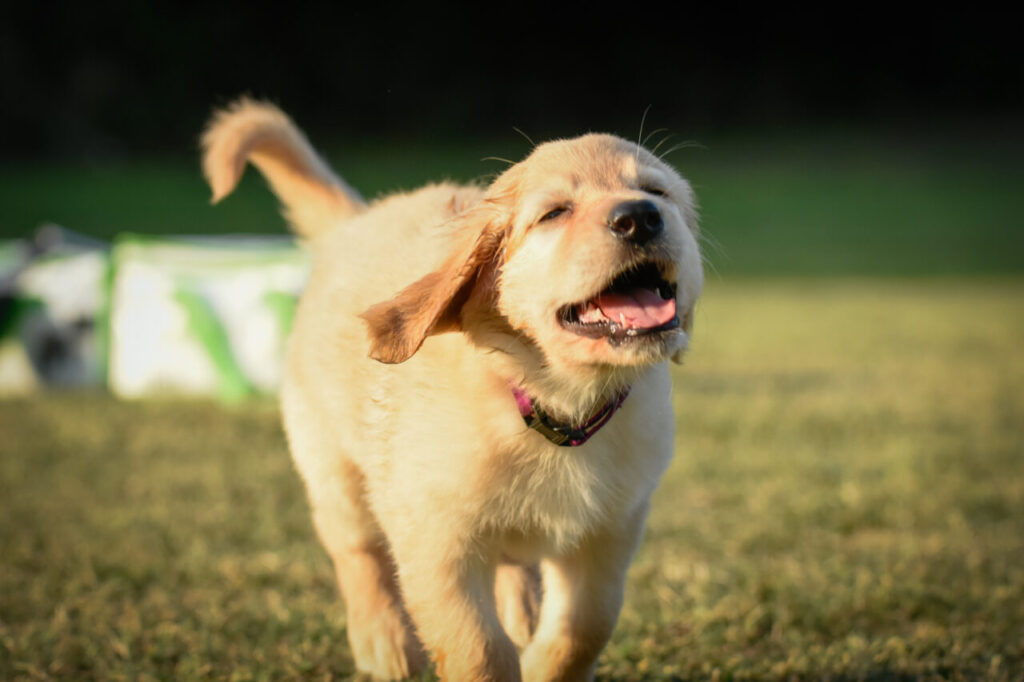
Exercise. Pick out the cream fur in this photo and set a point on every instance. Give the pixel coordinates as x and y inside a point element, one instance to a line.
<point>434,500</point>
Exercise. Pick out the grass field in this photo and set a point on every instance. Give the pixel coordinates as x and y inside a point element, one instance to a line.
<point>846,503</point>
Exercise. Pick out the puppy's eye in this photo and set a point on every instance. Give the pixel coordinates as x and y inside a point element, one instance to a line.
<point>654,190</point>
<point>554,213</point>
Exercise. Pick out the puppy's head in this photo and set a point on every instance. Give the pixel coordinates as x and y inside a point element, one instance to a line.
<point>584,254</point>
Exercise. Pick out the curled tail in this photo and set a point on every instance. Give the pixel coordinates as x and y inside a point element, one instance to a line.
<point>312,195</point>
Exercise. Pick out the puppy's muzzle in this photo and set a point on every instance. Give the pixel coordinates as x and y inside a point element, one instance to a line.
<point>636,222</point>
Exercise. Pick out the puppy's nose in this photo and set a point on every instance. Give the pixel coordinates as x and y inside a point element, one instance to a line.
<point>636,221</point>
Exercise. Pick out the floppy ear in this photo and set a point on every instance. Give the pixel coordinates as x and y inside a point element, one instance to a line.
<point>431,305</point>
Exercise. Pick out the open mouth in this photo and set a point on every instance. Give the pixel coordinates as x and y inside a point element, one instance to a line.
<point>639,302</point>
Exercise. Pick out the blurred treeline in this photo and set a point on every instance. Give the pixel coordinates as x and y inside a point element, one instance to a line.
<point>105,79</point>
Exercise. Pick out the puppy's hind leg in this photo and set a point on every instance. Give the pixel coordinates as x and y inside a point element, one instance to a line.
<point>383,641</point>
<point>380,633</point>
<point>517,597</point>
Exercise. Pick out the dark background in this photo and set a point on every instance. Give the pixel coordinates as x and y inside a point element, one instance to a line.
<point>846,140</point>
<point>95,79</point>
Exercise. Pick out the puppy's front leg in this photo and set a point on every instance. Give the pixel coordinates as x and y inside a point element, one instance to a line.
<point>449,592</point>
<point>582,598</point>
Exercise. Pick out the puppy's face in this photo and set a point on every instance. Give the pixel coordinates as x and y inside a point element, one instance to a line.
<point>601,264</point>
<point>585,253</point>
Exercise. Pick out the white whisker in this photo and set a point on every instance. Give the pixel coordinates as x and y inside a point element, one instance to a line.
<point>653,133</point>
<point>528,139</point>
<point>709,265</point>
<point>498,158</point>
<point>661,142</point>
<point>707,239</point>
<point>689,144</point>
<point>640,135</point>
<point>712,245</point>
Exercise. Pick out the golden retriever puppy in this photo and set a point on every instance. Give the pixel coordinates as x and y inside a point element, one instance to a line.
<point>477,392</point>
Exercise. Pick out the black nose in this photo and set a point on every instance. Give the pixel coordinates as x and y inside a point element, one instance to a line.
<point>636,221</point>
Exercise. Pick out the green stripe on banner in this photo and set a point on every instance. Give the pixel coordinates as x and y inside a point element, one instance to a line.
<point>232,385</point>
<point>282,304</point>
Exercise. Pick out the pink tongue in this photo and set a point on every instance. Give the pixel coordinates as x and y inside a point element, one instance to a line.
<point>640,308</point>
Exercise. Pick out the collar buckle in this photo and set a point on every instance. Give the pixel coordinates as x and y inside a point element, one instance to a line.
<point>564,435</point>
<point>559,434</point>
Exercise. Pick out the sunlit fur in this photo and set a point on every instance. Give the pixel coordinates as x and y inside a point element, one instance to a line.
<point>427,489</point>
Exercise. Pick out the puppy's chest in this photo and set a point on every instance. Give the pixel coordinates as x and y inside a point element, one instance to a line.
<point>547,503</point>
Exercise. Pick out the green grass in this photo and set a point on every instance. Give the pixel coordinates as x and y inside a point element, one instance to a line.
<point>847,502</point>
<point>813,204</point>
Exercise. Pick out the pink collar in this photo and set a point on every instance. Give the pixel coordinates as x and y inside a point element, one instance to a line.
<point>564,435</point>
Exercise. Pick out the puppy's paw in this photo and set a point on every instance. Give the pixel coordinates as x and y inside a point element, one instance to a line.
<point>384,647</point>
